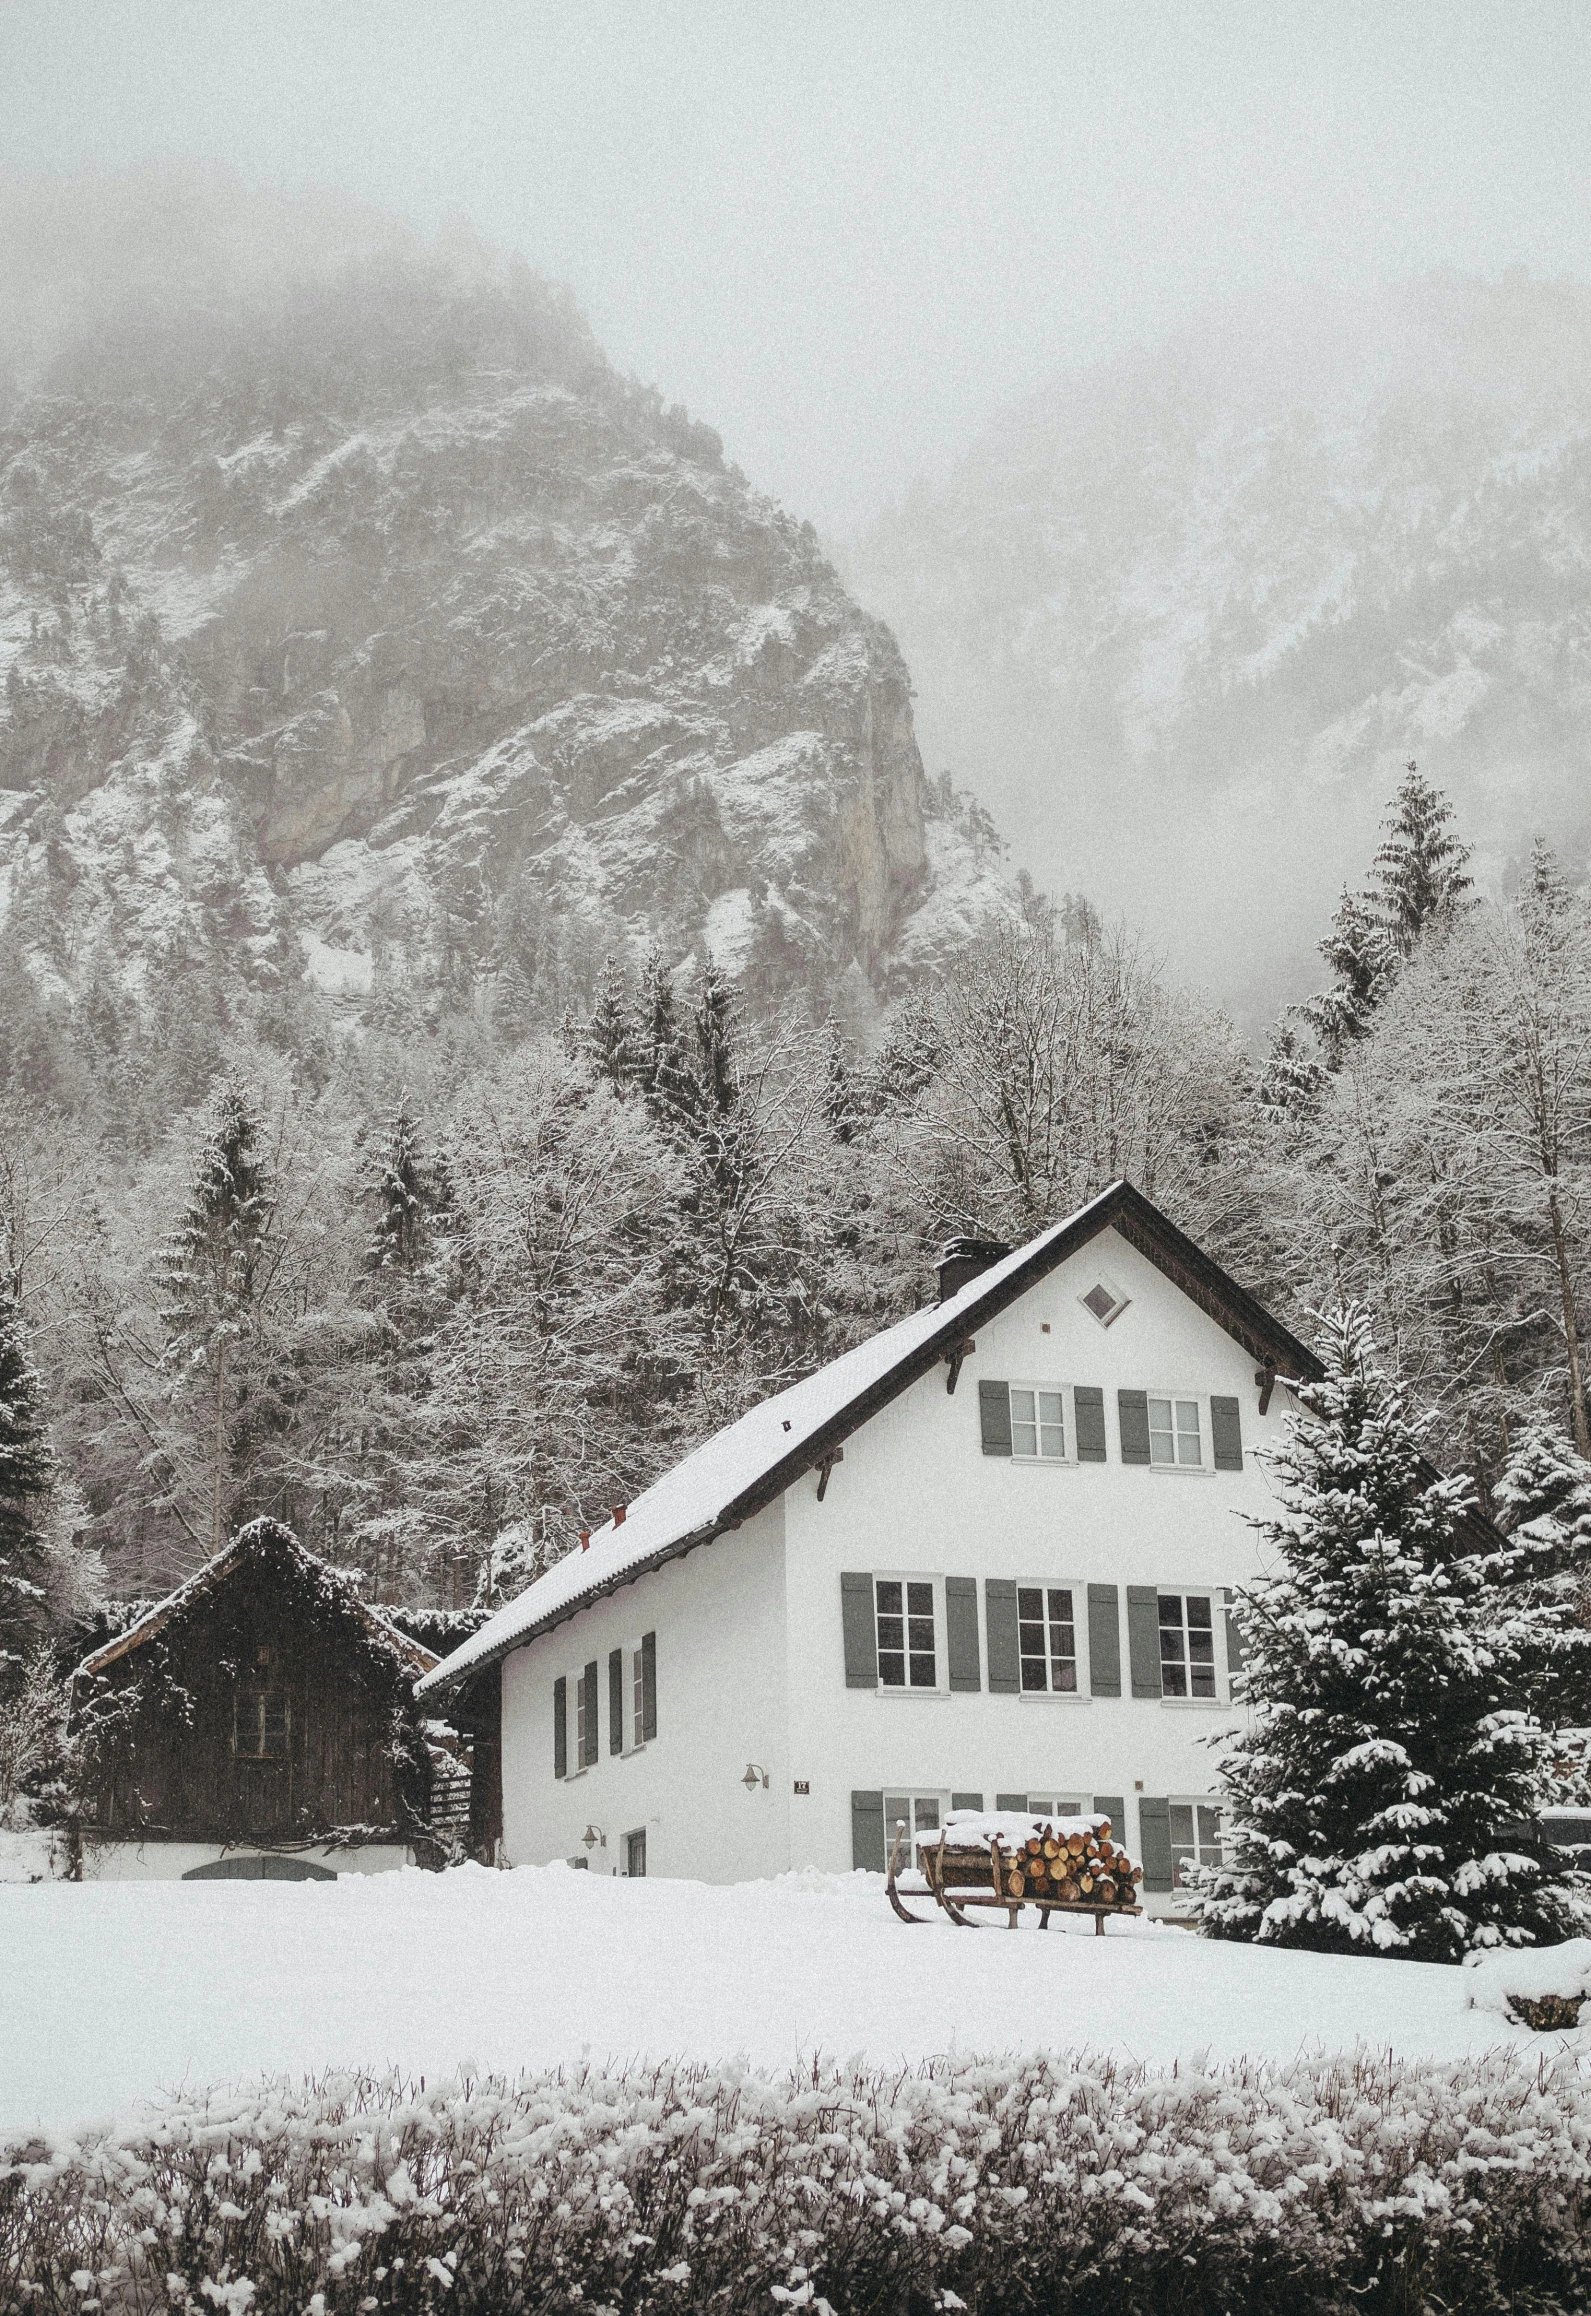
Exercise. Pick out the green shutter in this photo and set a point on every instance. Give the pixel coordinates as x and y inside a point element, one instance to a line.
<point>1132,1415</point>
<point>615,1700</point>
<point>1012,1801</point>
<point>1143,1639</point>
<point>999,1608</point>
<point>1226,1434</point>
<point>588,1681</point>
<point>1104,1641</point>
<point>1154,1842</point>
<point>560,1727</point>
<point>861,1633</point>
<point>994,1414</point>
<point>1113,1806</point>
<point>648,1684</point>
<point>1234,1635</point>
<point>961,1631</point>
<point>1088,1407</point>
<point>867,1832</point>
<point>966,1801</point>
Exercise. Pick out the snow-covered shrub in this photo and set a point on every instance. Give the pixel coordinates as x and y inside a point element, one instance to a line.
<point>1061,2183</point>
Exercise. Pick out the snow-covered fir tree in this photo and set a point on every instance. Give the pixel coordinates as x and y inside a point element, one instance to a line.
<point>1363,957</point>
<point>404,1192</point>
<point>610,1035</point>
<point>1372,1800</point>
<point>210,1270</point>
<point>26,1471</point>
<point>1421,868</point>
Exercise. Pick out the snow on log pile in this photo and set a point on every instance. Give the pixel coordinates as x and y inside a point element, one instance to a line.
<point>1070,1861</point>
<point>1052,2181</point>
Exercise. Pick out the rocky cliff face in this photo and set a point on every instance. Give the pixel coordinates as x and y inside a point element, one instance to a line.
<point>1183,619</point>
<point>392,630</point>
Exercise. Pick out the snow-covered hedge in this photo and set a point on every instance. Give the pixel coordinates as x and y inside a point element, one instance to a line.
<point>1063,2183</point>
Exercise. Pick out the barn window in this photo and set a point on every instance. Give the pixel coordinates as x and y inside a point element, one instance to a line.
<point>259,1725</point>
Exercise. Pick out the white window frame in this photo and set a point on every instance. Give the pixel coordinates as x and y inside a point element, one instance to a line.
<point>574,1689</point>
<point>904,1576</point>
<point>1079,1593</point>
<point>1196,1802</point>
<point>1082,1807</point>
<point>912,1795</point>
<point>635,1684</point>
<point>1060,1391</point>
<point>1185,1593</point>
<point>1103,1279</point>
<point>1200,1401</point>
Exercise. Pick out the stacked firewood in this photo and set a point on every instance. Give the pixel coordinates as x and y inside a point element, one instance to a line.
<point>1078,1866</point>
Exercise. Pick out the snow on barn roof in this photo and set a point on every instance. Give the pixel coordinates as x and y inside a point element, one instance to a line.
<point>257,1536</point>
<point>745,1466</point>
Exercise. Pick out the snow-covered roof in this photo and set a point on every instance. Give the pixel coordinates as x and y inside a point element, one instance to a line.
<point>742,1468</point>
<point>221,1564</point>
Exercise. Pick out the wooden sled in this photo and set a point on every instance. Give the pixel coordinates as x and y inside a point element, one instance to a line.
<point>963,1879</point>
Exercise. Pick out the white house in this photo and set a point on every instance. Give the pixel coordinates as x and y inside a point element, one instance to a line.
<point>985,1558</point>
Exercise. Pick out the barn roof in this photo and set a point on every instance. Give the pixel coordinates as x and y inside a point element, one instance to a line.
<point>746,1466</point>
<point>257,1537</point>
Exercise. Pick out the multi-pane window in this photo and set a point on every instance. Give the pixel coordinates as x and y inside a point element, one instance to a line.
<point>637,1694</point>
<point>585,1735</point>
<point>1195,1836</point>
<point>1038,1424</point>
<point>1187,1645</point>
<point>1174,1432</point>
<point>918,1812</point>
<point>1063,1805</point>
<point>259,1725</point>
<point>1046,1638</point>
<point>906,1656</point>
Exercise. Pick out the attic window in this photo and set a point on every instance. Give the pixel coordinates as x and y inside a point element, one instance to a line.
<point>1104,1301</point>
<point>259,1725</point>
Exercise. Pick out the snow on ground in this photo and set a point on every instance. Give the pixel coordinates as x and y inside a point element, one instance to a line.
<point>117,1991</point>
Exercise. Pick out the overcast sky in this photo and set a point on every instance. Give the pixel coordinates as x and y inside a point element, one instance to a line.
<point>845,234</point>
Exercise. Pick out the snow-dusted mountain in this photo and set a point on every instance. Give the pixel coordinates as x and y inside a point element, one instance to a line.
<point>381,625</point>
<point>1182,619</point>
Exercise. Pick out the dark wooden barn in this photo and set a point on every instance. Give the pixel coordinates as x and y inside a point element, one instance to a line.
<point>262,1708</point>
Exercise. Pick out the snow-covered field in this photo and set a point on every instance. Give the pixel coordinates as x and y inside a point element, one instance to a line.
<point>110,1992</point>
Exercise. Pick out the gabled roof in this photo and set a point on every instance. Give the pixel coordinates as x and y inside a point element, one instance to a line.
<point>746,1466</point>
<point>258,1537</point>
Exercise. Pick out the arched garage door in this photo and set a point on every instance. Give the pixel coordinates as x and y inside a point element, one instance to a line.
<point>271,1867</point>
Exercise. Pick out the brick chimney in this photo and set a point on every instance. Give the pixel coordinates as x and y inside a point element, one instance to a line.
<point>962,1259</point>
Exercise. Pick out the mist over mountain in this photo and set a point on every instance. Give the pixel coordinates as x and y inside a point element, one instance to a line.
<point>358,622</point>
<point>1182,618</point>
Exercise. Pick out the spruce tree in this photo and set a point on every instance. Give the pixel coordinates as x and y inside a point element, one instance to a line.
<point>1374,1801</point>
<point>26,1472</point>
<point>1363,957</point>
<point>209,1270</point>
<point>404,1194</point>
<point>610,1039</point>
<point>717,1077</point>
<point>840,1101</point>
<point>1421,867</point>
<point>659,1058</point>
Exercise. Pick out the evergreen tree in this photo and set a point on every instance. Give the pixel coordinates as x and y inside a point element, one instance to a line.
<point>717,1078</point>
<point>1544,1492</point>
<point>405,1195</point>
<point>841,1103</point>
<point>210,1271</point>
<point>1421,867</point>
<point>1292,1081</point>
<point>660,1060</point>
<point>26,1471</point>
<point>1363,956</point>
<point>1386,1753</point>
<point>512,1003</point>
<point>609,1036</point>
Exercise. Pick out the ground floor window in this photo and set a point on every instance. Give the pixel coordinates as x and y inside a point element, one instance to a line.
<point>1195,1836</point>
<point>635,1853</point>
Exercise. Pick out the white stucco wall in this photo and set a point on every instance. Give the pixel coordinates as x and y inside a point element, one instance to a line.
<point>915,1494</point>
<point>719,1619</point>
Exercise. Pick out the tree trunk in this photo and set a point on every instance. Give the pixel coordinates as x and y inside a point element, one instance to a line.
<point>1571,1327</point>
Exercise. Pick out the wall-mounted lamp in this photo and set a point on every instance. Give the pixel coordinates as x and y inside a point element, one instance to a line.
<point>593,1835</point>
<point>755,1775</point>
